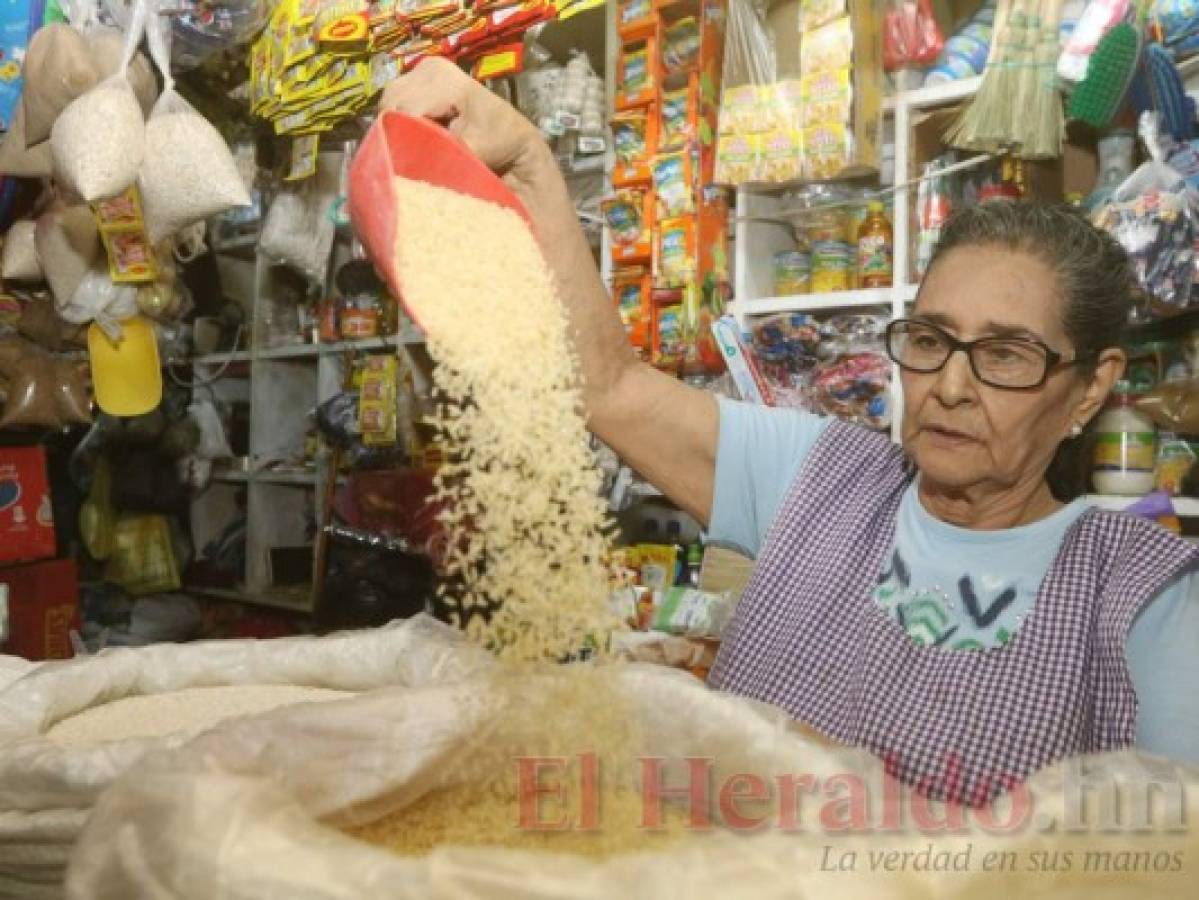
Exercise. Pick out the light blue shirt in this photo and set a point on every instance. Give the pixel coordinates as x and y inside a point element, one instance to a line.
<point>959,587</point>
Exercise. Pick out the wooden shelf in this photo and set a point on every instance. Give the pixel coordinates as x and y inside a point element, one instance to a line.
<point>939,94</point>
<point>1183,506</point>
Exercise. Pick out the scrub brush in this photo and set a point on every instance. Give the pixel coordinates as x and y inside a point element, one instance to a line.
<point>1098,96</point>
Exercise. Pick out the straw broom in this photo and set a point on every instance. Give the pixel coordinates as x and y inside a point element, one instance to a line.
<point>1047,121</point>
<point>990,110</point>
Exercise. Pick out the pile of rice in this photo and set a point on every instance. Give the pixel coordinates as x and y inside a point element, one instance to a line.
<point>187,711</point>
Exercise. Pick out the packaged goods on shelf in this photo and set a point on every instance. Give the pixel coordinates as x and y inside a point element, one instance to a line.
<point>829,365</point>
<point>786,115</point>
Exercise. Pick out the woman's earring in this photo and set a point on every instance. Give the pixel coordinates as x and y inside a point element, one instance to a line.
<point>1075,430</point>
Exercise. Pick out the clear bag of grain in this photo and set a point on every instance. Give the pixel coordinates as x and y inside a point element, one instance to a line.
<point>107,48</point>
<point>61,725</point>
<point>189,173</point>
<point>19,261</point>
<point>57,69</point>
<point>298,231</point>
<point>98,141</point>
<point>68,245</point>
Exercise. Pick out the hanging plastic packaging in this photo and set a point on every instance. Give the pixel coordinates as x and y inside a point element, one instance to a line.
<point>911,36</point>
<point>1153,216</point>
<point>189,173</point>
<point>98,141</point>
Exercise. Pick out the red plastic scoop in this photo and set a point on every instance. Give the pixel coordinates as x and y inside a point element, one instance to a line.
<point>398,145</point>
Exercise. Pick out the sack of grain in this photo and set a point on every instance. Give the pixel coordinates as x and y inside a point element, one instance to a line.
<point>20,261</point>
<point>58,68</point>
<point>19,159</point>
<point>49,783</point>
<point>297,802</point>
<point>189,173</point>
<point>68,244</point>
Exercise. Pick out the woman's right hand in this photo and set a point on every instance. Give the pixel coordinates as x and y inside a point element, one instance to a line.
<point>503,139</point>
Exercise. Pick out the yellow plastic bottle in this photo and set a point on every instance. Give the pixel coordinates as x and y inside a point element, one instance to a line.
<point>875,247</point>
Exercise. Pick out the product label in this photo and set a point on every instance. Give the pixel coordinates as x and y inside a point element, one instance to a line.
<point>874,256</point>
<point>830,266</point>
<point>1130,451</point>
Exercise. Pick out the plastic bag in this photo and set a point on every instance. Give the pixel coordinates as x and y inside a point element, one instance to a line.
<point>68,245</point>
<point>98,299</point>
<point>48,808</point>
<point>298,231</point>
<point>212,444</point>
<point>44,391</point>
<point>57,69</point>
<point>107,48</point>
<point>911,36</point>
<point>254,806</point>
<point>41,324</point>
<point>19,261</point>
<point>1153,215</point>
<point>189,173</point>
<point>142,560</point>
<point>1173,406</point>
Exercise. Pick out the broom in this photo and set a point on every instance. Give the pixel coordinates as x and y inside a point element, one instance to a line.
<point>990,109</point>
<point>1047,122</point>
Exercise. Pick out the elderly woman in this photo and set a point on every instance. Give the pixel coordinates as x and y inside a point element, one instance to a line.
<point>952,604</point>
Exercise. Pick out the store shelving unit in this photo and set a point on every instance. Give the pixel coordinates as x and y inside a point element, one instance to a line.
<point>1184,506</point>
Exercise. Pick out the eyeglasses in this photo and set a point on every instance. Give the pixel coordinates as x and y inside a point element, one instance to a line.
<point>1008,363</point>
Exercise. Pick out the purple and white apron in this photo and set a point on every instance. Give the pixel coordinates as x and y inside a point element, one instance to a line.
<point>954,724</point>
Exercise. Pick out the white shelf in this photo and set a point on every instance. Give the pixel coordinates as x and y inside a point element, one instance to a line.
<point>1183,506</point>
<point>940,94</point>
<point>410,336</point>
<point>811,303</point>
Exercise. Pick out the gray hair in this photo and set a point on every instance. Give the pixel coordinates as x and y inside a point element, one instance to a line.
<point>1096,282</point>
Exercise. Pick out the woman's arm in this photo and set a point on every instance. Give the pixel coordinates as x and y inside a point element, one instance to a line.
<point>664,429</point>
<point>1162,652</point>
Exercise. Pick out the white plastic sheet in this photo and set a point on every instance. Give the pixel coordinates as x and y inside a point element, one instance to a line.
<point>250,810</point>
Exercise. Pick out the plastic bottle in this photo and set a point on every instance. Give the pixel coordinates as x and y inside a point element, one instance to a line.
<point>1125,449</point>
<point>695,562</point>
<point>875,247</point>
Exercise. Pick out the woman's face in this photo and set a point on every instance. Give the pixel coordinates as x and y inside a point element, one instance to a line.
<point>966,435</point>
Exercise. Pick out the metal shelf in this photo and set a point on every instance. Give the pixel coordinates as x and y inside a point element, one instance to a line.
<point>231,476</point>
<point>1183,506</point>
<point>270,477</point>
<point>940,94</point>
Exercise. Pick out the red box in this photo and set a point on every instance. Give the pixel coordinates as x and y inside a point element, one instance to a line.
<point>43,607</point>
<point>26,516</point>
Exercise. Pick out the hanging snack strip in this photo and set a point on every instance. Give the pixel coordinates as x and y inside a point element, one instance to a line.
<point>314,66</point>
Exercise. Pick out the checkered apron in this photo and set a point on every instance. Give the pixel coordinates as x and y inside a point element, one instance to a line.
<point>961,725</point>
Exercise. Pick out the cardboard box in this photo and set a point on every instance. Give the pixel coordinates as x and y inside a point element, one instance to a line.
<point>26,516</point>
<point>43,608</point>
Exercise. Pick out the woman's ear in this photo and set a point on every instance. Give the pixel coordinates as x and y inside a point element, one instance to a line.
<point>1107,372</point>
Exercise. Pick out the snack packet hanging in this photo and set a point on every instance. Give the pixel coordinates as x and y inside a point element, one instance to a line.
<point>628,136</point>
<point>670,344</point>
<point>623,215</point>
<point>680,46</point>
<point>672,183</point>
<point>678,118</point>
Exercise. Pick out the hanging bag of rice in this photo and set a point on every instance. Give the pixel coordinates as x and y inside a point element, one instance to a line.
<point>20,261</point>
<point>189,173</point>
<point>68,729</point>
<point>68,244</point>
<point>98,299</point>
<point>97,143</point>
<point>58,68</point>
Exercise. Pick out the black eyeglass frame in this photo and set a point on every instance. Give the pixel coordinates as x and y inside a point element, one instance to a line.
<point>1053,359</point>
